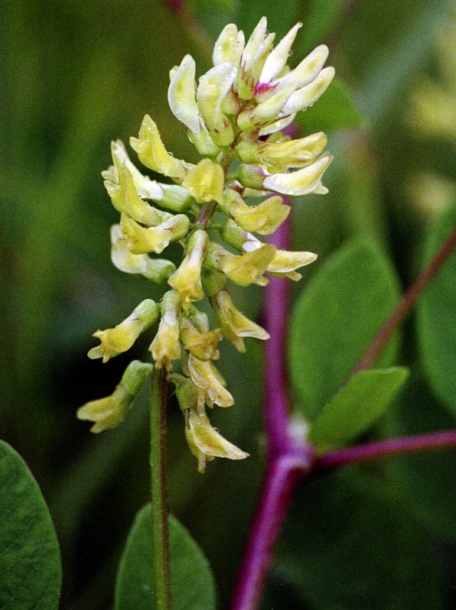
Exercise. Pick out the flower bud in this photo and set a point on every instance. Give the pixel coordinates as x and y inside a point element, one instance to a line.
<point>115,341</point>
<point>229,46</point>
<point>110,411</point>
<point>251,176</point>
<point>175,198</point>
<point>166,347</point>
<point>206,443</point>
<point>307,71</point>
<point>212,90</point>
<point>280,156</point>
<point>300,182</point>
<point>308,95</point>
<point>157,270</point>
<point>253,59</point>
<point>278,57</point>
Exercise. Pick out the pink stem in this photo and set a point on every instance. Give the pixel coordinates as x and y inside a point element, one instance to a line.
<point>281,478</point>
<point>276,307</point>
<point>445,439</point>
<point>288,459</point>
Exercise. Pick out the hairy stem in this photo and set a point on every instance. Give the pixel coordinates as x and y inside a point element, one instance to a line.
<point>406,303</point>
<point>159,489</point>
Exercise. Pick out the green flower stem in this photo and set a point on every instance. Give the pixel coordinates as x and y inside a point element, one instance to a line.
<point>159,489</point>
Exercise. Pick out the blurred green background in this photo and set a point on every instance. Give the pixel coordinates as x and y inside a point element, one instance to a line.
<point>74,76</point>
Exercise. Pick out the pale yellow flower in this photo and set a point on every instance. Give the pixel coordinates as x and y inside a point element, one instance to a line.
<point>206,443</point>
<point>110,411</point>
<point>155,269</point>
<point>233,324</point>
<point>187,278</point>
<point>141,240</point>
<point>166,346</point>
<point>115,341</point>
<point>205,375</point>
<point>152,152</point>
<point>205,182</point>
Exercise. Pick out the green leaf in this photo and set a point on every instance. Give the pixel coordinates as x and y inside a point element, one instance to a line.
<point>30,569</point>
<point>336,109</point>
<point>347,544</point>
<point>426,479</point>
<point>357,406</point>
<point>335,318</point>
<point>192,583</point>
<point>437,315</point>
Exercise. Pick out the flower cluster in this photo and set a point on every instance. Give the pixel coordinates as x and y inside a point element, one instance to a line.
<point>235,117</point>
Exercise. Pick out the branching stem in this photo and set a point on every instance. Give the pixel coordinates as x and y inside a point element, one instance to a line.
<point>291,460</point>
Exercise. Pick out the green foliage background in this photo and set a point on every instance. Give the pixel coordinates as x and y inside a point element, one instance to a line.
<point>76,75</point>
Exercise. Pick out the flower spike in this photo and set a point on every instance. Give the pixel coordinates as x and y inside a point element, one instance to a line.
<point>234,115</point>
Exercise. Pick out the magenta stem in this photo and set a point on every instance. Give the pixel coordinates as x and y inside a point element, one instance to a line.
<point>445,439</point>
<point>281,478</point>
<point>288,459</point>
<point>276,307</point>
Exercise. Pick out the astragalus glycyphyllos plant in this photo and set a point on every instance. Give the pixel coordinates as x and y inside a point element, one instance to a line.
<point>235,117</point>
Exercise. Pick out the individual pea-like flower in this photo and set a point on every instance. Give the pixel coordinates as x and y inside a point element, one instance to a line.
<point>156,270</point>
<point>117,340</point>
<point>206,376</point>
<point>110,411</point>
<point>187,278</point>
<point>233,324</point>
<point>166,347</point>
<point>141,240</point>
<point>206,443</point>
<point>234,115</point>
<point>203,345</point>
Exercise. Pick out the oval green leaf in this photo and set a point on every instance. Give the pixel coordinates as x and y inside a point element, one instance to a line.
<point>356,407</point>
<point>335,318</point>
<point>437,315</point>
<point>30,568</point>
<point>192,584</point>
